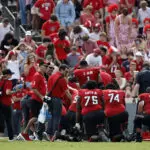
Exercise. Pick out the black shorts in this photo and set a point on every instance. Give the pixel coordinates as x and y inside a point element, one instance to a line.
<point>92,120</point>
<point>116,123</point>
<point>35,108</point>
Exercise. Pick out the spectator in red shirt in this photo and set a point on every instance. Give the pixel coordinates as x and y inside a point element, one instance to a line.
<point>39,89</point>
<point>42,49</point>
<point>62,47</point>
<point>5,101</point>
<point>50,26</point>
<point>30,68</point>
<point>127,3</point>
<point>17,112</point>
<point>139,61</point>
<point>130,75</point>
<point>105,58</point>
<point>41,11</point>
<point>87,16</point>
<point>103,40</point>
<point>97,5</point>
<point>57,94</point>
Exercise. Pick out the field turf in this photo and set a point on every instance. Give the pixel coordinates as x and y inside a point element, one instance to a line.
<point>18,145</point>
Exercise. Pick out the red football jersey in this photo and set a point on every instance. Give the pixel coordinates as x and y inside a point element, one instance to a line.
<point>90,100</point>
<point>84,75</point>
<point>114,102</point>
<point>146,98</point>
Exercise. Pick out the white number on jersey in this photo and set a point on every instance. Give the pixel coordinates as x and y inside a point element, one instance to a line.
<point>93,98</point>
<point>114,97</point>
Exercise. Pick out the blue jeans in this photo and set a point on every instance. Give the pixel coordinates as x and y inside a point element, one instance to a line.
<point>17,117</point>
<point>22,6</point>
<point>26,105</point>
<point>53,123</point>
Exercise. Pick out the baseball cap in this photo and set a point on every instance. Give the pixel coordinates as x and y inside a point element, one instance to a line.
<point>138,54</point>
<point>7,72</point>
<point>28,33</point>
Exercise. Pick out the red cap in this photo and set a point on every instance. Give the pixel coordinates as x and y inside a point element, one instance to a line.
<point>12,53</point>
<point>112,7</point>
<point>134,20</point>
<point>97,25</point>
<point>147,28</point>
<point>88,24</point>
<point>146,20</point>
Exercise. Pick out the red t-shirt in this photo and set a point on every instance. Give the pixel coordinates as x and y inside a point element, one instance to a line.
<point>6,99</point>
<point>131,2</point>
<point>128,76</point>
<point>45,7</point>
<point>50,27</point>
<point>114,102</point>
<point>30,75</point>
<point>39,83</point>
<point>53,37</point>
<point>61,86</point>
<point>60,45</point>
<point>101,44</point>
<point>86,17</point>
<point>105,60</point>
<point>139,65</point>
<point>19,94</point>
<point>146,98</point>
<point>41,51</point>
<point>91,100</point>
<point>96,4</point>
<point>86,74</point>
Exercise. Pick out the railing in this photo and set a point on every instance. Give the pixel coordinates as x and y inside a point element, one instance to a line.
<point>16,27</point>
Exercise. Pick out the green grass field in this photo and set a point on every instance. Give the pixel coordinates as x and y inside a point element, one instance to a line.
<point>18,145</point>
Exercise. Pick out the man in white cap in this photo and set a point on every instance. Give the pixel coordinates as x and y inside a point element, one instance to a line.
<point>94,59</point>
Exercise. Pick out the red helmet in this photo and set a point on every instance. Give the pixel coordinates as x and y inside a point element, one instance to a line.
<point>88,24</point>
<point>97,25</point>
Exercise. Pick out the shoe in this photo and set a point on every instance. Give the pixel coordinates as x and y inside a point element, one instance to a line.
<point>45,136</point>
<point>94,138</point>
<point>23,137</point>
<point>54,137</point>
<point>103,136</point>
<point>11,140</point>
<point>127,136</point>
<point>138,137</point>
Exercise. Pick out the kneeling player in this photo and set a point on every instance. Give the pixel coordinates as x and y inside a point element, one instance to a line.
<point>90,105</point>
<point>115,110</point>
<point>143,114</point>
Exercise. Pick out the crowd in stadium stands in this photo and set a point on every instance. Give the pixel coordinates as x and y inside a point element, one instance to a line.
<point>93,59</point>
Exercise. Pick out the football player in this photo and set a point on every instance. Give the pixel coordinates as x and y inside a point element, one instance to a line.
<point>143,114</point>
<point>90,105</point>
<point>115,111</point>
